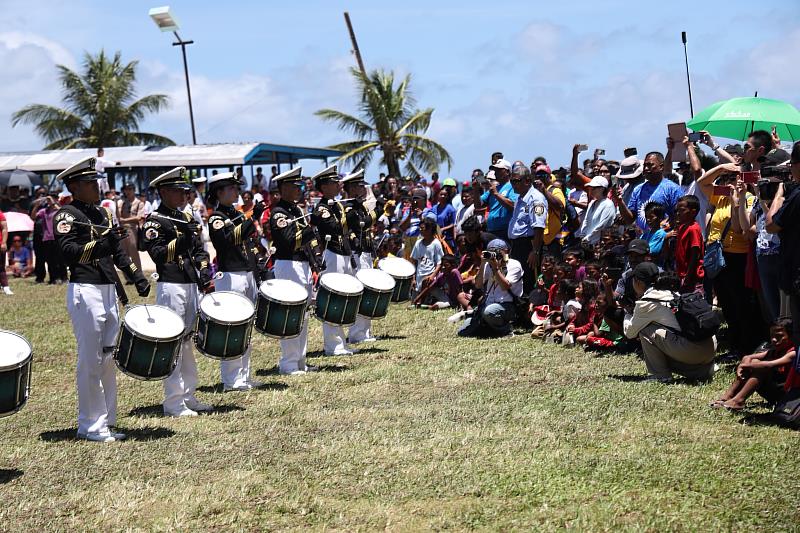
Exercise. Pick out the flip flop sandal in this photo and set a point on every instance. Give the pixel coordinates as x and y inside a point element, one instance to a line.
<point>732,409</point>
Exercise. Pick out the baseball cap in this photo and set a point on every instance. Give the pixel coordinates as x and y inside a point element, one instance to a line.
<point>646,272</point>
<point>598,181</point>
<point>638,246</point>
<point>497,245</point>
<point>542,168</point>
<point>418,193</point>
<point>449,182</point>
<point>501,163</point>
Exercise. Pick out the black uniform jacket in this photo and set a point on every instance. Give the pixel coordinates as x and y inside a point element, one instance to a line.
<point>177,253</point>
<point>89,252</point>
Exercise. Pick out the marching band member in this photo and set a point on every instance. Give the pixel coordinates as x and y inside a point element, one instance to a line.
<point>329,218</point>
<point>177,251</point>
<point>91,248</point>
<point>292,237</point>
<point>230,234</point>
<point>359,221</point>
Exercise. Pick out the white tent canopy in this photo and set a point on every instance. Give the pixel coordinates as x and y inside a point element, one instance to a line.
<point>200,155</point>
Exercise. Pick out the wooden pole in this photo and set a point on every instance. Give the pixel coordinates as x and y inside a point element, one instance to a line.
<point>356,51</point>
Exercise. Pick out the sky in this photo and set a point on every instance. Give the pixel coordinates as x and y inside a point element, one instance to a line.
<point>522,77</point>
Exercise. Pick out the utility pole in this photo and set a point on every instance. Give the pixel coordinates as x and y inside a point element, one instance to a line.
<point>688,79</point>
<point>183,45</point>
<point>356,51</point>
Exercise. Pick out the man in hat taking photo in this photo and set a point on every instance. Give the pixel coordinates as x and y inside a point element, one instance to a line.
<point>91,247</point>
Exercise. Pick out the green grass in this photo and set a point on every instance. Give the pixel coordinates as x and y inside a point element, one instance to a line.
<point>426,431</point>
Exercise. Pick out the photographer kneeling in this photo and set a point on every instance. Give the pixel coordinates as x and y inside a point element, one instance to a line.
<point>500,278</point>
<point>654,324</point>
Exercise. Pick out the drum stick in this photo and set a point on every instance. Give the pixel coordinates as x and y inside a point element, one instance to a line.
<point>159,215</point>
<point>90,224</point>
<point>147,310</point>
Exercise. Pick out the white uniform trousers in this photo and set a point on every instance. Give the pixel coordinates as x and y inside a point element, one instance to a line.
<point>333,336</point>
<point>236,372</point>
<point>361,329</point>
<point>95,322</point>
<point>293,351</point>
<point>181,385</point>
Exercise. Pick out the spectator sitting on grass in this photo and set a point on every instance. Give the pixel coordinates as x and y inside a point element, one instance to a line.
<point>427,254</point>
<point>652,321</point>
<point>763,372</point>
<point>445,290</point>
<point>21,263</point>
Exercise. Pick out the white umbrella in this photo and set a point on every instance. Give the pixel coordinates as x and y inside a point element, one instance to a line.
<point>18,222</point>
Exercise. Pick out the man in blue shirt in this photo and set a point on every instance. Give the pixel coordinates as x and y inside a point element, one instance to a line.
<point>499,198</point>
<point>655,188</point>
<point>527,224</point>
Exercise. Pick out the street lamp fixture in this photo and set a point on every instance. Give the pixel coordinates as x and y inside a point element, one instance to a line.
<point>166,21</point>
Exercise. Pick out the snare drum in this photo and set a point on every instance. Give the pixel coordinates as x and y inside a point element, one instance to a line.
<point>281,308</point>
<point>15,372</point>
<point>149,342</point>
<point>378,288</point>
<point>338,298</point>
<point>224,325</point>
<point>403,272</point>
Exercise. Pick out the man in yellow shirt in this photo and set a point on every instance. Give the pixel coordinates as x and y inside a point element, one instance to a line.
<point>556,202</point>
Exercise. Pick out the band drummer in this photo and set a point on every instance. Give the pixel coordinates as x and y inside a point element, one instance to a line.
<point>230,234</point>
<point>359,221</point>
<point>90,246</point>
<point>182,267</point>
<point>331,222</point>
<point>292,237</point>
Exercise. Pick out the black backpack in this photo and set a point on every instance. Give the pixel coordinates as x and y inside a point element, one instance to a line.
<point>787,410</point>
<point>697,318</point>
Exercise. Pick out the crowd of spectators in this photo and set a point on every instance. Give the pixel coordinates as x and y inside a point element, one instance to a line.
<point>599,254</point>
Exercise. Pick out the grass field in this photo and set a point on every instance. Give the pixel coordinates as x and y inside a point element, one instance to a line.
<point>422,431</point>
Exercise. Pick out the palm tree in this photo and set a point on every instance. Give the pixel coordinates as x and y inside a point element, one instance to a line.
<point>389,122</point>
<point>98,111</point>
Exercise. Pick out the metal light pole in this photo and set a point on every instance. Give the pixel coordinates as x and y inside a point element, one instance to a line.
<point>166,21</point>
<point>688,79</point>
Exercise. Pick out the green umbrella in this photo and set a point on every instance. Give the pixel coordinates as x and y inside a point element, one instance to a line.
<point>738,117</point>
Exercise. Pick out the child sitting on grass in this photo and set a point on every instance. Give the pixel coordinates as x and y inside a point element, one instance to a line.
<point>583,320</point>
<point>445,290</point>
<point>601,338</point>
<point>557,320</point>
<point>427,254</point>
<point>762,372</point>
<point>574,258</point>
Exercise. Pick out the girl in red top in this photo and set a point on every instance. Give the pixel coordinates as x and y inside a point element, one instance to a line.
<point>583,323</point>
<point>763,372</point>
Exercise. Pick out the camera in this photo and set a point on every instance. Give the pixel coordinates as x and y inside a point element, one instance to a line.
<point>695,137</point>
<point>770,178</point>
<point>489,255</point>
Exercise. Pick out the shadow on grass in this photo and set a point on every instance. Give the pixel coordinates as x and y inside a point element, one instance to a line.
<point>157,410</point>
<point>629,378</point>
<point>321,368</point>
<point>9,474</point>
<point>138,434</point>
<point>374,349</point>
<point>391,337</point>
<point>766,419</point>
<point>218,388</point>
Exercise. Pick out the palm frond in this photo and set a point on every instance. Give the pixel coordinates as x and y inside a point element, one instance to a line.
<point>346,122</point>
<point>356,153</point>
<point>426,152</point>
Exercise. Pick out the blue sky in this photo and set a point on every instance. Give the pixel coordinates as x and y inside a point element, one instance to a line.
<point>525,78</point>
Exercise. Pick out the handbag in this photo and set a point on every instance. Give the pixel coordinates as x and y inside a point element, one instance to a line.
<point>713,260</point>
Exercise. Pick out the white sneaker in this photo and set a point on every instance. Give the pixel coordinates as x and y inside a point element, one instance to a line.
<point>97,437</point>
<point>118,436</point>
<point>255,384</point>
<point>181,413</point>
<point>293,373</point>
<point>196,405</point>
<point>312,368</point>
<point>8,292</point>
<point>343,351</point>
<point>240,387</point>
<point>359,341</point>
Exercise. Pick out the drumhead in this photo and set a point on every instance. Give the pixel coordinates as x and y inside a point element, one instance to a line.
<point>397,267</point>
<point>15,349</point>
<point>341,283</point>
<point>165,324</point>
<point>284,290</point>
<point>376,279</point>
<point>233,307</point>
